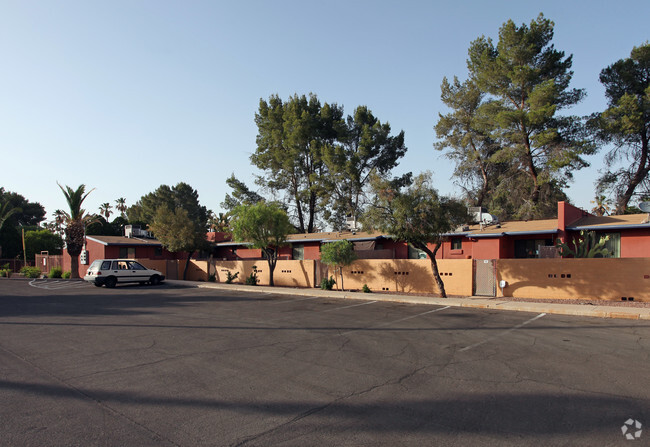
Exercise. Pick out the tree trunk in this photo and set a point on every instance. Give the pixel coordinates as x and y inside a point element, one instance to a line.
<point>640,174</point>
<point>272,260</point>
<point>187,264</point>
<point>341,273</point>
<point>434,266</point>
<point>74,266</point>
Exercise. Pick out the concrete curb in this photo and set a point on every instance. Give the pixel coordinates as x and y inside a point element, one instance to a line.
<point>630,313</point>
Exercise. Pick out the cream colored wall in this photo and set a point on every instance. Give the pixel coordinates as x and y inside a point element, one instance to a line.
<point>605,279</point>
<point>286,273</point>
<point>407,275</point>
<point>395,275</point>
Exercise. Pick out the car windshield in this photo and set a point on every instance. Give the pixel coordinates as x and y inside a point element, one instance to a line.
<point>95,265</point>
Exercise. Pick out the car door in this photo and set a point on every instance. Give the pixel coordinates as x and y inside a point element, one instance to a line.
<point>138,271</point>
<point>120,269</point>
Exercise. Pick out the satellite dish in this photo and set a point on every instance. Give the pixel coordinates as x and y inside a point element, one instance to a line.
<point>645,207</point>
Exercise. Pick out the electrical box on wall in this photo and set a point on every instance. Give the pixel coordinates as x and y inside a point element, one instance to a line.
<point>83,257</point>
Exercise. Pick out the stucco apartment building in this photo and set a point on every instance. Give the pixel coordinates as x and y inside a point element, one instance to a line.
<point>629,237</point>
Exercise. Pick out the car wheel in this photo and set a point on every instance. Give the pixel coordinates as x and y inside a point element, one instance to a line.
<point>110,282</point>
<point>155,280</point>
<point>97,284</point>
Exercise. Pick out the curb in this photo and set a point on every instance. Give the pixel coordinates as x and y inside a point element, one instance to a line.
<point>636,313</point>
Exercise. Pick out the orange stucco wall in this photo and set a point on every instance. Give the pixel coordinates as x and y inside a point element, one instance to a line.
<point>407,275</point>
<point>605,279</point>
<point>635,244</point>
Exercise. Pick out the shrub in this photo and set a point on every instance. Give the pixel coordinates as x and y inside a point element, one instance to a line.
<point>66,275</point>
<point>5,273</point>
<point>31,272</point>
<point>252,279</point>
<point>230,277</point>
<point>327,284</point>
<point>212,278</point>
<point>366,289</point>
<point>55,272</point>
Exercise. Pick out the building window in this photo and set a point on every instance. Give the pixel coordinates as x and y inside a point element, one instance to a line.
<point>157,251</point>
<point>127,252</point>
<point>613,245</point>
<point>298,252</point>
<point>456,243</point>
<point>415,253</point>
<point>529,248</point>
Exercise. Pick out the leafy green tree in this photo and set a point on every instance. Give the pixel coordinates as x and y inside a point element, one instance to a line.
<point>178,232</point>
<point>626,125</point>
<point>241,194</point>
<point>526,83</point>
<point>466,134</point>
<point>362,148</point>
<point>161,209</point>
<point>16,212</point>
<point>339,254</point>
<point>416,215</point>
<point>264,225</point>
<point>290,142</point>
<point>76,221</point>
<point>42,240</point>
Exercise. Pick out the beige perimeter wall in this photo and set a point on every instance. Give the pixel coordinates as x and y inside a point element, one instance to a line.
<point>608,279</point>
<point>605,279</point>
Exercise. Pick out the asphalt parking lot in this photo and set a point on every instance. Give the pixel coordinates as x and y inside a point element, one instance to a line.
<point>167,365</point>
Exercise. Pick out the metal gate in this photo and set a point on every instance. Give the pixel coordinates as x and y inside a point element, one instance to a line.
<point>485,278</point>
<point>172,269</point>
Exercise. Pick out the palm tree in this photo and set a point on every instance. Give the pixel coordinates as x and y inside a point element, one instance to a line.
<point>76,222</point>
<point>121,206</point>
<point>105,210</point>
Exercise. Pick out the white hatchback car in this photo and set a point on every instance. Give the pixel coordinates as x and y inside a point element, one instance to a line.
<point>109,272</point>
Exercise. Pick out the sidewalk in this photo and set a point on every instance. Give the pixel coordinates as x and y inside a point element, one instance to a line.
<point>632,313</point>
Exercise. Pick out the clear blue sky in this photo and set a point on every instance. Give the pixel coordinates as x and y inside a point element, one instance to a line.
<point>124,96</point>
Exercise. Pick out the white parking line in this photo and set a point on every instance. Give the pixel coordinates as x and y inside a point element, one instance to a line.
<point>295,301</point>
<point>348,307</point>
<point>55,285</point>
<point>396,321</point>
<point>467,348</point>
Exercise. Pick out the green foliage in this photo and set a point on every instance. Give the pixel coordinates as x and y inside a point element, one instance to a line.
<point>176,218</point>
<point>366,289</point>
<point>76,220</point>
<point>230,277</point>
<point>66,275</point>
<point>416,215</point>
<point>291,138</point>
<point>180,196</point>
<point>42,240</point>
<point>31,272</point>
<point>5,271</point>
<point>338,254</point>
<point>363,147</point>
<point>327,284</point>
<point>55,272</point>
<point>264,226</point>
<point>241,194</point>
<point>252,278</point>
<point>625,124</point>
<point>15,212</point>
<point>587,245</point>
<point>212,277</point>
<point>505,120</point>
